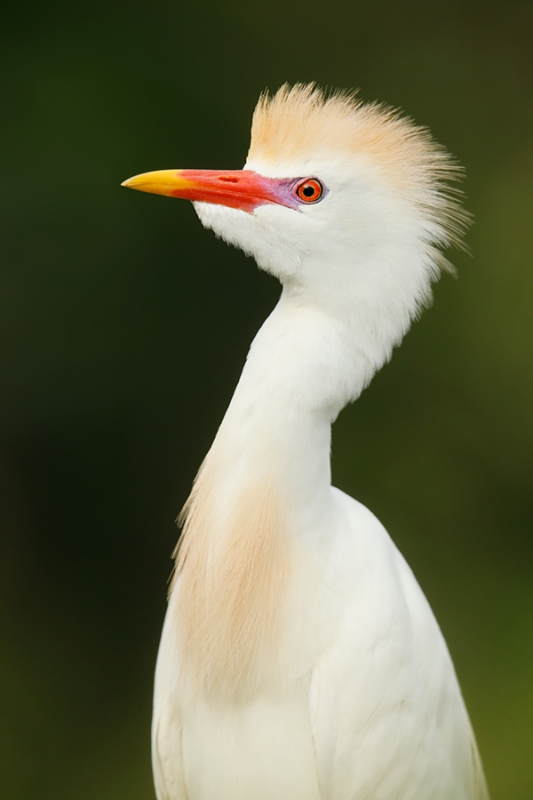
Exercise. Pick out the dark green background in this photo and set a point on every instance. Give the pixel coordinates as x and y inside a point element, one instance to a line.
<point>125,325</point>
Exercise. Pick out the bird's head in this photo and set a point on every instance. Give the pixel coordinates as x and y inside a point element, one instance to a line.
<point>347,204</point>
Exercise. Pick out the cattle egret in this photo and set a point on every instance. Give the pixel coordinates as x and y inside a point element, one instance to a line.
<point>299,658</point>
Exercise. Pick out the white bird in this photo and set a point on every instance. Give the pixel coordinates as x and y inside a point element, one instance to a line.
<point>299,658</point>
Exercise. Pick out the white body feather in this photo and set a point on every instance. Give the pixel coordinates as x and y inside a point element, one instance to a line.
<point>326,678</point>
<point>378,714</point>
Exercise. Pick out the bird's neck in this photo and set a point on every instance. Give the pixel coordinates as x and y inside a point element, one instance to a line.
<point>302,369</point>
<point>264,487</point>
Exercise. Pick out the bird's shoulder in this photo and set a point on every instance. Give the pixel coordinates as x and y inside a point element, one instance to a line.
<point>378,592</point>
<point>362,549</point>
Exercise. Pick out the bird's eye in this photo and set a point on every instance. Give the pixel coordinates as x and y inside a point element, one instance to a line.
<point>311,190</point>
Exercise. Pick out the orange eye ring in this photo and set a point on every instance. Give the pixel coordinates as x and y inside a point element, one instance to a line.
<point>311,190</point>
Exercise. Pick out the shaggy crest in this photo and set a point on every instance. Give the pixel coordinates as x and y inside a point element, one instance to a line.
<point>301,123</point>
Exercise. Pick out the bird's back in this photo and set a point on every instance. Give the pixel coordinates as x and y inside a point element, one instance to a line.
<point>389,718</point>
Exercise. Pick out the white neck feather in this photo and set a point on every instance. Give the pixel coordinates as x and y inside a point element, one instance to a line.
<point>264,485</point>
<point>302,369</point>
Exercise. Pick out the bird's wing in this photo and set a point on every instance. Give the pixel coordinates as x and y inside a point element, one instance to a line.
<point>387,713</point>
<point>167,760</point>
<point>167,725</point>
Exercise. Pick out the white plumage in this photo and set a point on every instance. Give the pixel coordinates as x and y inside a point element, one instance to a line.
<point>299,659</point>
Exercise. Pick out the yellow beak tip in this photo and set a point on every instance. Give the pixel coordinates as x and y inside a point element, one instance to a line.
<point>165,182</point>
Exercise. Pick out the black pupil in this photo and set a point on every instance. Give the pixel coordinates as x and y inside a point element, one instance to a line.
<point>309,190</point>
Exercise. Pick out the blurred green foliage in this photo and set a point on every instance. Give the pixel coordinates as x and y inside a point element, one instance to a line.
<point>124,328</point>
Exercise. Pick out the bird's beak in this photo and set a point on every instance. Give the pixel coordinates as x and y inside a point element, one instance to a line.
<point>243,189</point>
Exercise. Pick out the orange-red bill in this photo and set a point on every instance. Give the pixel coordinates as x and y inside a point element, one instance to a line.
<point>243,189</point>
